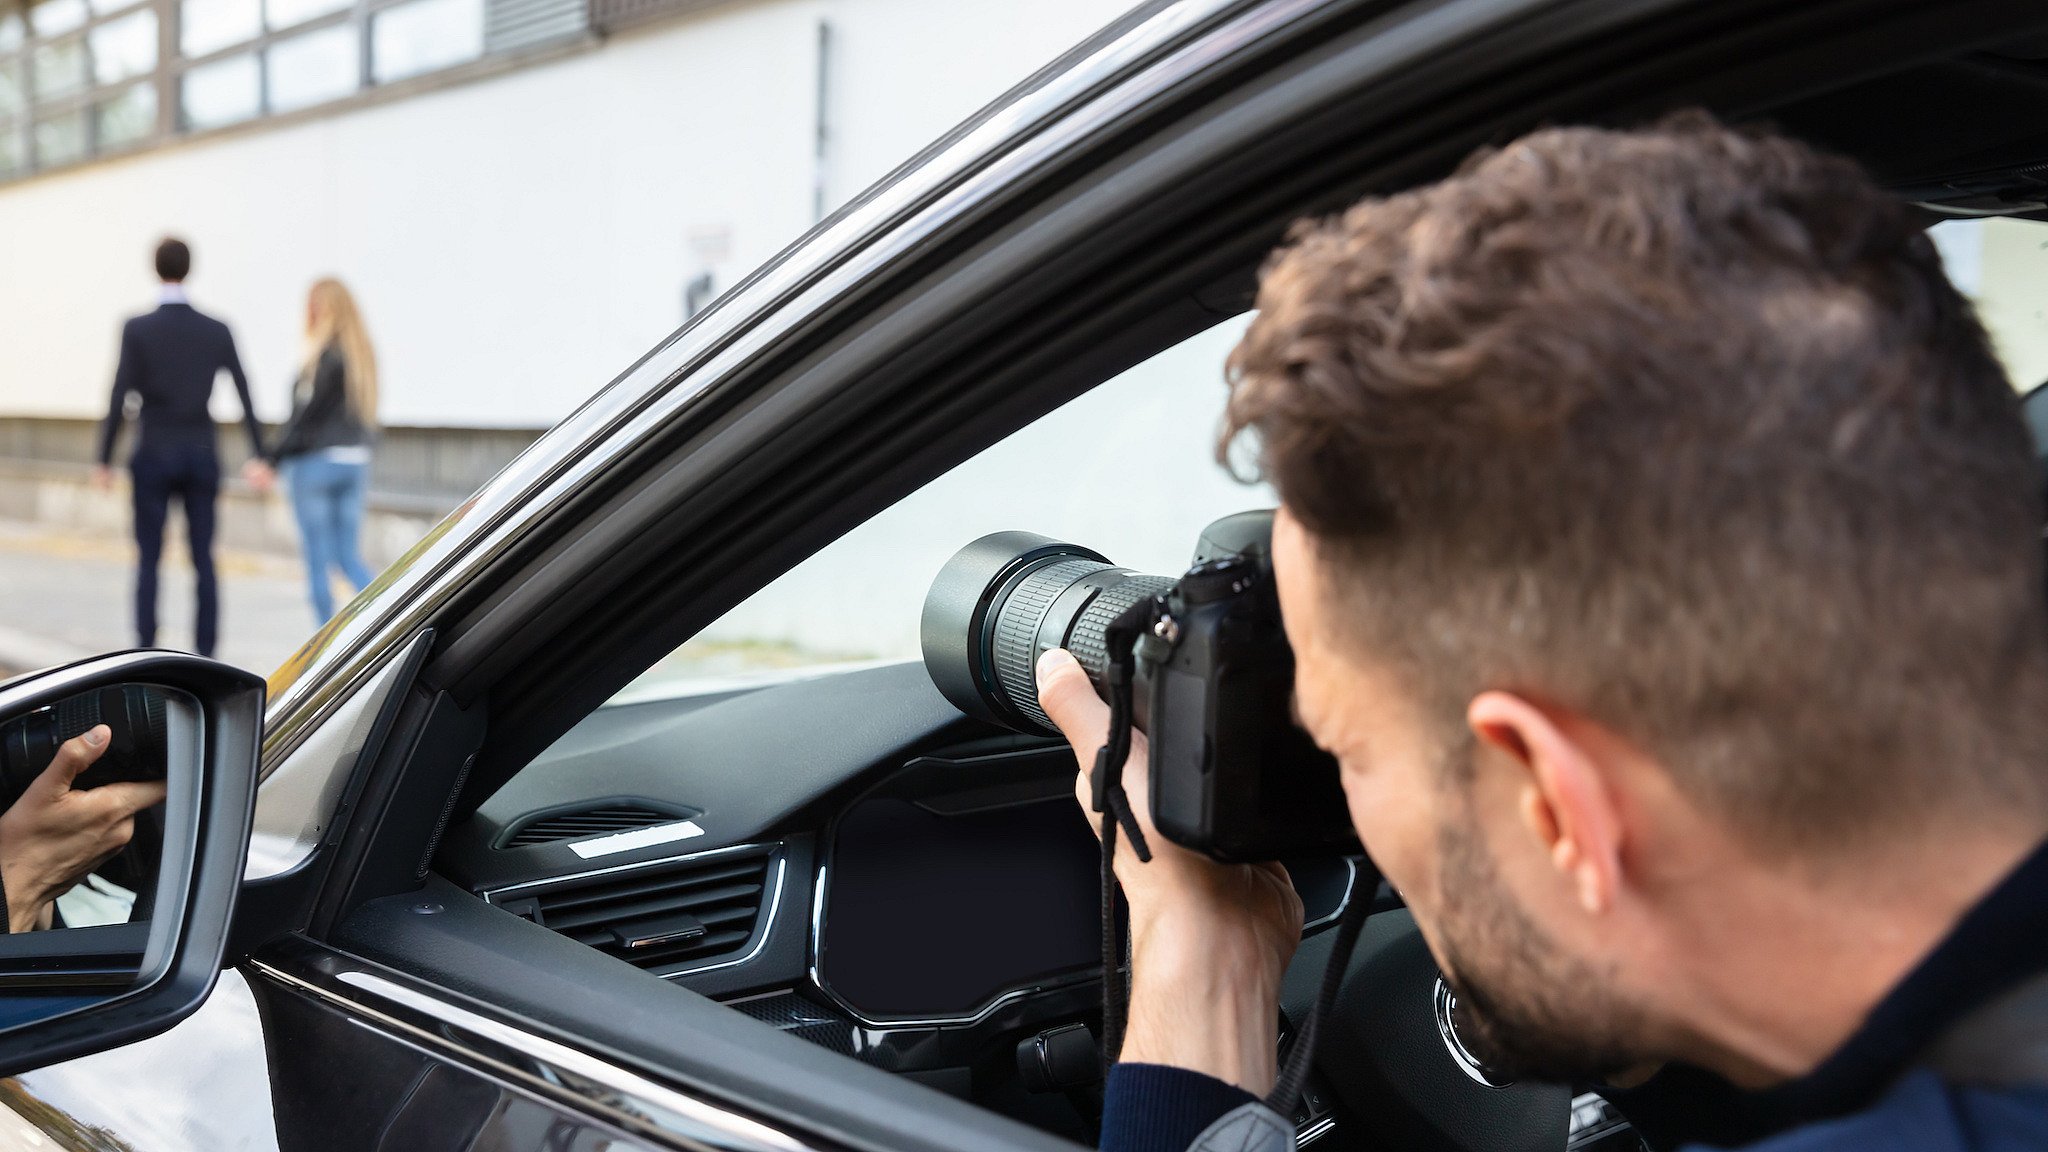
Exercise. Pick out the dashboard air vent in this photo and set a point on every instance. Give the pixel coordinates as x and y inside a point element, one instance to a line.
<point>588,822</point>
<point>665,917</point>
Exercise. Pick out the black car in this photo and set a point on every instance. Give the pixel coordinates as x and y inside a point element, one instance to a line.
<point>485,901</point>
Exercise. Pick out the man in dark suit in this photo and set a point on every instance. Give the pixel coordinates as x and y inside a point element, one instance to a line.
<point>169,360</point>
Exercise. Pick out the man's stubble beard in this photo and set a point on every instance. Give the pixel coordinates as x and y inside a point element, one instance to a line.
<point>1534,1011</point>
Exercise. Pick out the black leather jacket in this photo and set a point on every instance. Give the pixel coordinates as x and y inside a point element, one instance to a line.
<point>321,417</point>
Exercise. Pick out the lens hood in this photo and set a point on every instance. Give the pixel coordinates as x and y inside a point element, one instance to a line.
<point>955,629</point>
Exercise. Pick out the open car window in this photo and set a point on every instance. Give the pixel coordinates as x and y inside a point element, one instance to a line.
<point>2001,264</point>
<point>1126,468</point>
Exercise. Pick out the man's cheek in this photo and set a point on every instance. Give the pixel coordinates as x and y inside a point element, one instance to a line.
<point>1383,825</point>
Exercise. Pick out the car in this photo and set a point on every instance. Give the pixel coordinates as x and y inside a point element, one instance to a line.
<point>485,896</point>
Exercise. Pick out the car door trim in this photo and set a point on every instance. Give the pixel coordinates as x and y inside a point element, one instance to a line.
<point>615,1096</point>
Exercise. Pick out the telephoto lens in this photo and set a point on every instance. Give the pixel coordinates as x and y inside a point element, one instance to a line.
<point>1006,598</point>
<point>134,716</point>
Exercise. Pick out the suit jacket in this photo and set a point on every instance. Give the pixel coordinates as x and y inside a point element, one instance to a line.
<point>169,358</point>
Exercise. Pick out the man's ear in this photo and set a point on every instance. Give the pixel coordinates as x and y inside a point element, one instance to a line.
<point>1563,796</point>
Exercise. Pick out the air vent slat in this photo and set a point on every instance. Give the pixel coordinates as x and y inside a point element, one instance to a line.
<point>587,822</point>
<point>664,880</point>
<point>661,903</point>
<point>724,894</point>
<point>597,935</point>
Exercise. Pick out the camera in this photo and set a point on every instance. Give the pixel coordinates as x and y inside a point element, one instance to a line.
<point>133,714</point>
<point>1231,773</point>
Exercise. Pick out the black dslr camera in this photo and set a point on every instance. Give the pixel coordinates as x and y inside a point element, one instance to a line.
<point>133,713</point>
<point>1232,775</point>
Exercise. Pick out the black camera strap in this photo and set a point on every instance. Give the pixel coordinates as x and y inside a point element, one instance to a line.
<point>1113,805</point>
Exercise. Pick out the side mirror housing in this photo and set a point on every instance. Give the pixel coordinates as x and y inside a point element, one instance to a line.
<point>127,784</point>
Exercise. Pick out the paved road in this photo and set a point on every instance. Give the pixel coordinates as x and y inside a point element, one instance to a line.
<point>64,596</point>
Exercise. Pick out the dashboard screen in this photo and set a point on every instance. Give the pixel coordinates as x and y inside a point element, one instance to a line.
<point>935,914</point>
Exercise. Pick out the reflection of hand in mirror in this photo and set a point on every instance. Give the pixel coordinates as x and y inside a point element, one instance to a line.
<point>53,835</point>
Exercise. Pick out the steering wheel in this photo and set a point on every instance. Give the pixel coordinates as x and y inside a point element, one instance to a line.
<point>1391,1055</point>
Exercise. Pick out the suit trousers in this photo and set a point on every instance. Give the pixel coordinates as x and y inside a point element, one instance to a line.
<point>186,469</point>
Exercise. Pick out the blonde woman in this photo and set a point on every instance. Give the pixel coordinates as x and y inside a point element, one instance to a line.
<point>324,451</point>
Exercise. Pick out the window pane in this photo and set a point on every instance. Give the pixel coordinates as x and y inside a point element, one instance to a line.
<point>425,35</point>
<point>813,615</point>
<point>102,7</point>
<point>53,17</point>
<point>124,47</point>
<point>128,116</point>
<point>11,31</point>
<point>285,13</point>
<point>13,93</point>
<point>222,92</point>
<point>60,139</point>
<point>210,25</point>
<point>13,151</point>
<point>60,67</point>
<point>313,68</point>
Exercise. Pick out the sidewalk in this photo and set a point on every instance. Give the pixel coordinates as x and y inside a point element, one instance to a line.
<point>64,596</point>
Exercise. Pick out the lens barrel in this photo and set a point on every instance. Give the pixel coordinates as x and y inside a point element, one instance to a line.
<point>1006,598</point>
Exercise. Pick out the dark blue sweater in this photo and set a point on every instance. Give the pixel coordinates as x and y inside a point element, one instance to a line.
<point>170,358</point>
<point>1868,1095</point>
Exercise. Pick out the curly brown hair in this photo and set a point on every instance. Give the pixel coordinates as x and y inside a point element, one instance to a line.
<point>1685,429</point>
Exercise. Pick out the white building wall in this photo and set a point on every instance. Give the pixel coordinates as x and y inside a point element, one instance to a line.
<point>516,241</point>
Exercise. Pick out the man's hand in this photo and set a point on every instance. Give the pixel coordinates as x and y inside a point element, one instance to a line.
<point>103,477</point>
<point>52,836</point>
<point>259,474</point>
<point>1209,941</point>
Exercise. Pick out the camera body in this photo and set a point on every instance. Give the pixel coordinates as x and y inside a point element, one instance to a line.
<point>1231,774</point>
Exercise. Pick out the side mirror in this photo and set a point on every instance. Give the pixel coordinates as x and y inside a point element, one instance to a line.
<point>127,784</point>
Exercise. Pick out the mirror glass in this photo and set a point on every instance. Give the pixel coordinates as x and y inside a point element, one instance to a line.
<point>84,795</point>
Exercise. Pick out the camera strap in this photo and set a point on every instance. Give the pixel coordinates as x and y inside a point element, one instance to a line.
<point>1113,806</point>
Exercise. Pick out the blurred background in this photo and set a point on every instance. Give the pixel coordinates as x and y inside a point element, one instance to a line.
<point>524,196</point>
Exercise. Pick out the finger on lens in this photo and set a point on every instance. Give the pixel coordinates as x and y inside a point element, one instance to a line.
<point>1070,701</point>
<point>76,755</point>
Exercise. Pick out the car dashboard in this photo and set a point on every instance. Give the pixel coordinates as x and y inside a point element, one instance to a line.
<point>845,857</point>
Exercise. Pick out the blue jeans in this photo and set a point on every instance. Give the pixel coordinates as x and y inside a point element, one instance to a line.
<point>327,497</point>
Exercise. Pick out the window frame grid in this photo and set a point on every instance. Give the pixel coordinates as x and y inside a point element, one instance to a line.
<point>168,73</point>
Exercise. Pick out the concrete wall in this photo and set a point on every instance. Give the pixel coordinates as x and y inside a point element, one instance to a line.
<point>519,240</point>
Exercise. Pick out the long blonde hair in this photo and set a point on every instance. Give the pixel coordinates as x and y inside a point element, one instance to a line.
<point>333,320</point>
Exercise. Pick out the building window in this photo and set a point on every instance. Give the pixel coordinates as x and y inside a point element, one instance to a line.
<point>223,92</point>
<point>424,35</point>
<point>128,116</point>
<point>56,17</point>
<point>60,67</point>
<point>60,139</point>
<point>281,14</point>
<point>207,26</point>
<point>80,77</point>
<point>13,87</point>
<point>13,150</point>
<point>124,47</point>
<point>314,68</point>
